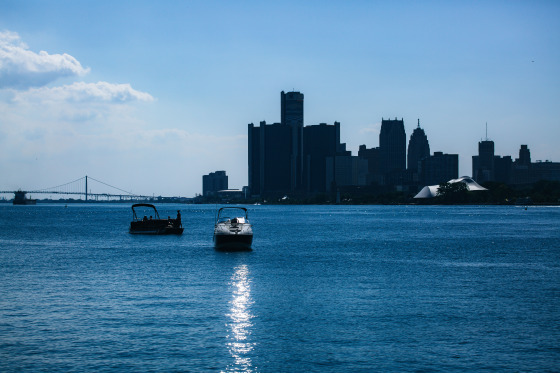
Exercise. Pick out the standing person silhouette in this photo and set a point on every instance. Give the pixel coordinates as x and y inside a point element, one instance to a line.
<point>178,218</point>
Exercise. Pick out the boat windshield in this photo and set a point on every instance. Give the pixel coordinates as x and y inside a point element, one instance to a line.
<point>143,212</point>
<point>229,214</point>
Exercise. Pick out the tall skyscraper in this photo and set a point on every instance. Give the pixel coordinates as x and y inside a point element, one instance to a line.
<point>320,141</point>
<point>291,114</point>
<point>483,164</point>
<point>418,148</point>
<point>372,157</point>
<point>392,150</point>
<point>270,162</point>
<point>524,155</point>
<point>291,108</point>
<point>276,150</point>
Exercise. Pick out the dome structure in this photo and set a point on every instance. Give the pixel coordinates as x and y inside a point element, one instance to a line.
<point>432,191</point>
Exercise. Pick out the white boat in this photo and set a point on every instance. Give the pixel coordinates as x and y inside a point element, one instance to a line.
<point>232,230</point>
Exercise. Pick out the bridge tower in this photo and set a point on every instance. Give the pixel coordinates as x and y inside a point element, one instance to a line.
<point>86,187</point>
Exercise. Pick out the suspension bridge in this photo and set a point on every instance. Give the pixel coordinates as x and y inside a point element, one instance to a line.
<point>83,187</point>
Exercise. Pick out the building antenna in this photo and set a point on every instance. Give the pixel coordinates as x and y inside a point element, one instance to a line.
<point>486,131</point>
<point>418,122</point>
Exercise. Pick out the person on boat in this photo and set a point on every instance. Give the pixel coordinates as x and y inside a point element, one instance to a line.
<point>145,218</point>
<point>178,220</point>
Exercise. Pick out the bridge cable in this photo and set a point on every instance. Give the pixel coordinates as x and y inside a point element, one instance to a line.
<point>116,188</point>
<point>62,185</point>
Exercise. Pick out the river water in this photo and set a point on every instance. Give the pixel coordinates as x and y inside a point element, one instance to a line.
<point>325,289</point>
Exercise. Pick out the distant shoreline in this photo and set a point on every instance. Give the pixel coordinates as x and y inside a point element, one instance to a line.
<point>48,202</point>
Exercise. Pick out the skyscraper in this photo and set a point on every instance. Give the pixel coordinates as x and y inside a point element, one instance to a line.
<point>392,150</point>
<point>270,164</point>
<point>418,148</point>
<point>524,155</point>
<point>320,141</point>
<point>291,114</point>
<point>483,164</point>
<point>276,150</point>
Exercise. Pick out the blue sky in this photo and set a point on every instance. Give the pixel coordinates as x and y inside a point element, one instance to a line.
<point>150,95</point>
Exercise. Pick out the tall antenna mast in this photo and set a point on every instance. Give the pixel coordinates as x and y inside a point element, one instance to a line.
<point>487,131</point>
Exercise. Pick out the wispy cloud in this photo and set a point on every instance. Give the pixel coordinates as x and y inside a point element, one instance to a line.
<point>25,88</point>
<point>22,68</point>
<point>373,128</point>
<point>84,92</point>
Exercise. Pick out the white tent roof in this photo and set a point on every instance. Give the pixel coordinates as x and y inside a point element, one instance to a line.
<point>432,191</point>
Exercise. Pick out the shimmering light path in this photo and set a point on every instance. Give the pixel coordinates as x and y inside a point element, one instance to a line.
<point>239,341</point>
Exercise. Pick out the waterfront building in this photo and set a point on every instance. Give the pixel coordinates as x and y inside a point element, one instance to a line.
<point>234,194</point>
<point>392,150</point>
<point>275,152</point>
<point>291,114</point>
<point>502,169</point>
<point>418,148</point>
<point>270,161</point>
<point>483,164</point>
<point>214,182</point>
<point>545,170</point>
<point>488,167</point>
<point>372,156</point>
<point>524,155</point>
<point>521,166</point>
<point>346,170</point>
<point>438,168</point>
<point>319,142</point>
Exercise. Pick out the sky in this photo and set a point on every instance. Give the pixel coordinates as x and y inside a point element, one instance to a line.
<point>148,96</point>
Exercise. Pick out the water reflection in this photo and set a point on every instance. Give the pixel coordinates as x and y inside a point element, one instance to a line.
<point>238,339</point>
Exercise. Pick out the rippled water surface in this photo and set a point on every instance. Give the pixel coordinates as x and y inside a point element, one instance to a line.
<point>325,289</point>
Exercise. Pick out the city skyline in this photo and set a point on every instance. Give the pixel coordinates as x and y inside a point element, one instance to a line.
<point>151,96</point>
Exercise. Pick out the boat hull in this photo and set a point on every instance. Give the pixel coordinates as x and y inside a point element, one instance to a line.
<point>154,227</point>
<point>233,241</point>
<point>160,231</point>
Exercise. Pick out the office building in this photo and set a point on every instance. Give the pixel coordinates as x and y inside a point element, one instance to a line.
<point>371,155</point>
<point>418,148</point>
<point>524,172</point>
<point>214,182</point>
<point>483,164</point>
<point>270,161</point>
<point>524,155</point>
<point>438,168</point>
<point>276,150</point>
<point>502,169</point>
<point>319,142</point>
<point>392,151</point>
<point>520,168</point>
<point>291,114</point>
<point>344,171</point>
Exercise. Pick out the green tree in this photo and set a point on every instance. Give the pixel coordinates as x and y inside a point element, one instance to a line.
<point>452,193</point>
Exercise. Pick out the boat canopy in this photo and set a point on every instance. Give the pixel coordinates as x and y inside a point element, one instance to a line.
<point>145,206</point>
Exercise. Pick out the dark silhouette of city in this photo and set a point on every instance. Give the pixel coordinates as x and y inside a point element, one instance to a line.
<point>290,160</point>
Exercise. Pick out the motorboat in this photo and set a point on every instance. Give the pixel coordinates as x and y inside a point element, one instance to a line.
<point>154,225</point>
<point>233,230</point>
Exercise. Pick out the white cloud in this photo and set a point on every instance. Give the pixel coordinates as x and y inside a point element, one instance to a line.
<point>372,128</point>
<point>21,68</point>
<point>82,92</point>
